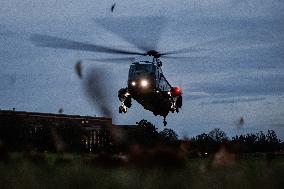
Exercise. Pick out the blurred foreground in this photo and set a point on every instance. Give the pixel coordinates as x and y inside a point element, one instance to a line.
<point>48,170</point>
<point>37,152</point>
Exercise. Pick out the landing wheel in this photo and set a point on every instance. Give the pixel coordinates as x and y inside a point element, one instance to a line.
<point>127,102</point>
<point>122,109</point>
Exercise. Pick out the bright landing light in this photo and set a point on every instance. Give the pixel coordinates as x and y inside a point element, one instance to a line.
<point>133,83</point>
<point>144,83</point>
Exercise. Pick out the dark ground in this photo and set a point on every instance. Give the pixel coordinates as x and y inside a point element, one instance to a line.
<point>223,170</point>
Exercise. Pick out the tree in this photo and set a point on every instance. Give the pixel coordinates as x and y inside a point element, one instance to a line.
<point>217,135</point>
<point>202,143</point>
<point>147,134</point>
<point>168,137</point>
<point>273,143</point>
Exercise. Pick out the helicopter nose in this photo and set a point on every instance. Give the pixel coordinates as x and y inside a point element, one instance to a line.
<point>144,83</point>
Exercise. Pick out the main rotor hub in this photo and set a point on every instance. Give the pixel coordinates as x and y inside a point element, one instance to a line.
<point>153,53</point>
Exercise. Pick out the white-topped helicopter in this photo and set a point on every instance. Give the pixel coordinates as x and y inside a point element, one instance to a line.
<point>150,88</point>
<point>146,81</point>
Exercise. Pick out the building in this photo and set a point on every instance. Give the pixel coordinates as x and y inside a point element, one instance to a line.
<point>46,131</point>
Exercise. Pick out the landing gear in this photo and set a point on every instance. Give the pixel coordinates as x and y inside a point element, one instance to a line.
<point>122,109</point>
<point>125,99</point>
<point>179,102</point>
<point>165,122</point>
<point>176,104</point>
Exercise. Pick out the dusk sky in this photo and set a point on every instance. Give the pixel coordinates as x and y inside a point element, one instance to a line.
<point>238,73</point>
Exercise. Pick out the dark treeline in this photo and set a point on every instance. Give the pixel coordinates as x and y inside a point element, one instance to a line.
<point>249,143</point>
<point>147,135</point>
<point>17,135</point>
<point>207,143</point>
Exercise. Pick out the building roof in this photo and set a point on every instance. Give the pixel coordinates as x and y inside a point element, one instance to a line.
<point>51,115</point>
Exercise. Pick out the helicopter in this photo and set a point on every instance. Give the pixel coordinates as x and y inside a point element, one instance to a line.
<point>150,88</point>
<point>146,82</point>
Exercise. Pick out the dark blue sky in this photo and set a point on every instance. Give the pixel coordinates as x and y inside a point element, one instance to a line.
<point>241,74</point>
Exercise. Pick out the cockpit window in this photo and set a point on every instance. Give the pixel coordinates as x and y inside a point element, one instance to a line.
<point>140,67</point>
<point>144,67</point>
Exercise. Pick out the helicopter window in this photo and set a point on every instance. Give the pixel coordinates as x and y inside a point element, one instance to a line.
<point>144,67</point>
<point>140,67</point>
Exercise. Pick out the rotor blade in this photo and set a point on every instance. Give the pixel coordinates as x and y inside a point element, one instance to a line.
<point>194,48</point>
<point>97,89</point>
<point>60,43</point>
<point>143,32</point>
<point>112,60</point>
<point>184,50</point>
<point>96,85</point>
<point>190,58</point>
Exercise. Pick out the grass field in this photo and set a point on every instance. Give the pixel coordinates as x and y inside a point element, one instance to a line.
<point>76,171</point>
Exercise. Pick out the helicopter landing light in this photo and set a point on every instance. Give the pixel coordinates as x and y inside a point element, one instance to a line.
<point>144,83</point>
<point>133,83</point>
